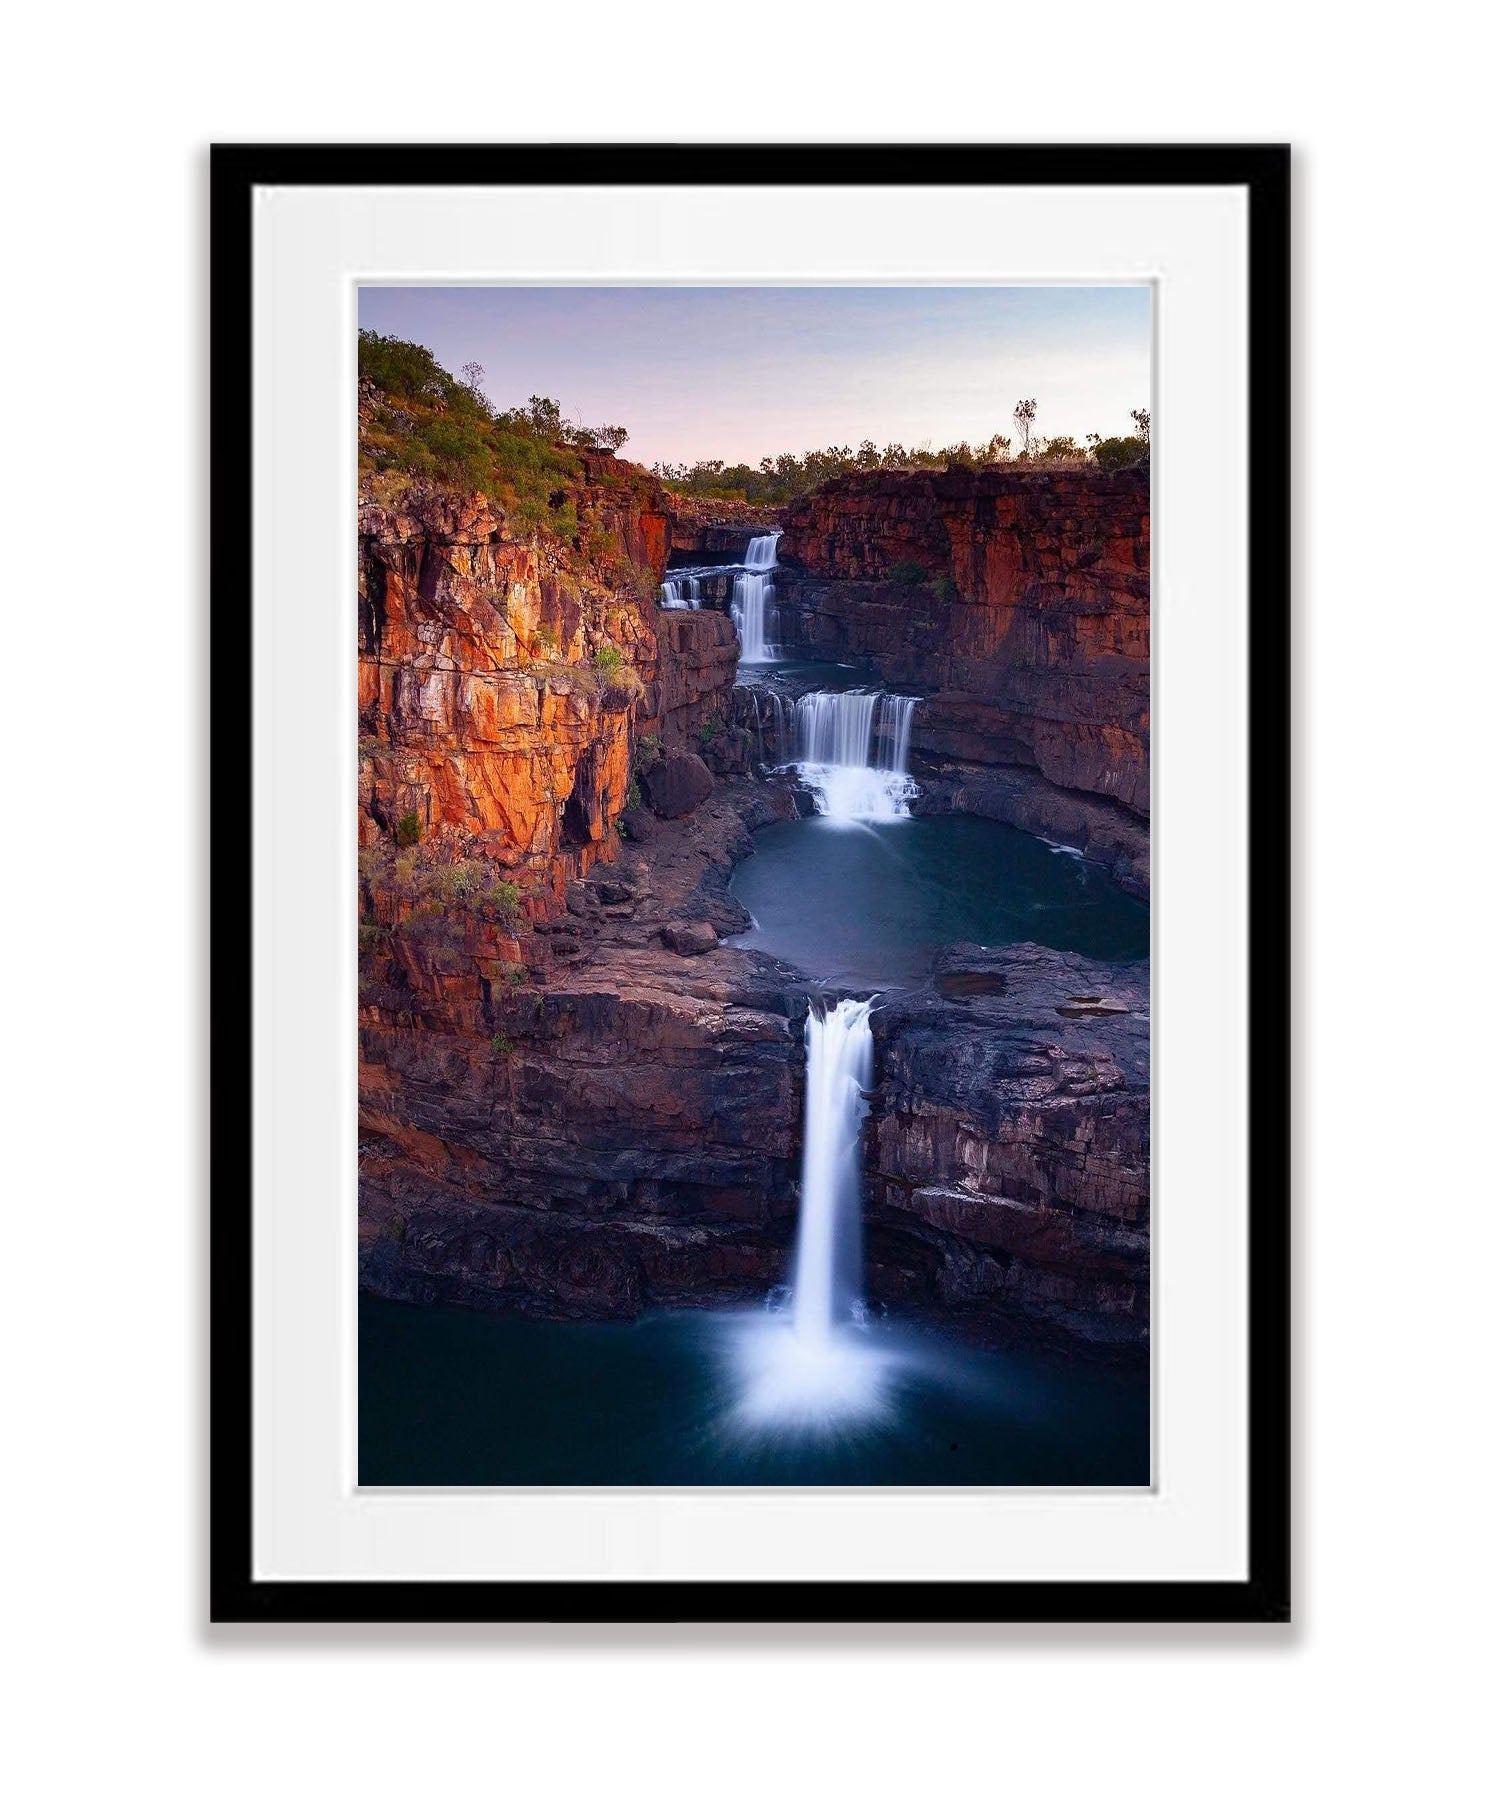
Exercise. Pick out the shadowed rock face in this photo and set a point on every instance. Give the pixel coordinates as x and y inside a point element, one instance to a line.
<point>716,528</point>
<point>1019,603</point>
<point>1011,1131</point>
<point>612,1123</point>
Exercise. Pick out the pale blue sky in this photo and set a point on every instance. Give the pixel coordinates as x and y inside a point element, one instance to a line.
<point>742,373</point>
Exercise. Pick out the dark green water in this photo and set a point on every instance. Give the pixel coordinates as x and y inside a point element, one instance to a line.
<point>457,1398</point>
<point>867,904</point>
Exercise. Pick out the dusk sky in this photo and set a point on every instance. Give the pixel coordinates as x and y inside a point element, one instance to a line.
<point>742,373</point>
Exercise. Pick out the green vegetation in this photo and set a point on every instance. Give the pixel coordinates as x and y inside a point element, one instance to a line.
<point>775,480</point>
<point>647,752</point>
<point>408,830</point>
<point>502,1046</point>
<point>1117,452</point>
<point>908,571</point>
<point>709,730</point>
<point>472,884</point>
<point>419,421</point>
<point>618,675</point>
<point>422,421</point>
<point>468,884</point>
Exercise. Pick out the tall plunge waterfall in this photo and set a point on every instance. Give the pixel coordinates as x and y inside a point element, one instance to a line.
<point>840,1065</point>
<point>811,1366</point>
<point>851,749</point>
<point>753,604</point>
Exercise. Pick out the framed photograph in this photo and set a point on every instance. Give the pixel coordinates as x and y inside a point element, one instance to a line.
<point>750,761</point>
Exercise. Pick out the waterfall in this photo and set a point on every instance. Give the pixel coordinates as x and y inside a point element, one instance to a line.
<point>679,592</point>
<point>851,749</point>
<point>810,1365</point>
<point>773,746</point>
<point>783,730</point>
<point>840,1065</point>
<point>753,602</point>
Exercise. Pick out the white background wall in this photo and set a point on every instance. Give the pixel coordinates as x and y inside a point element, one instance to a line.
<point>1379,1687</point>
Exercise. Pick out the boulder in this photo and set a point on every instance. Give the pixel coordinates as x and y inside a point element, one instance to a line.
<point>691,937</point>
<point>677,784</point>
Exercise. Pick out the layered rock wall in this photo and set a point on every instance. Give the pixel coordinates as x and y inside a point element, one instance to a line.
<point>1018,602</point>
<point>715,528</point>
<point>1011,1132</point>
<point>503,682</point>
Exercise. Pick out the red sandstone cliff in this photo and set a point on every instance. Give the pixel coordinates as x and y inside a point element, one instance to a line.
<point>555,1104</point>
<point>504,679</point>
<point>1018,601</point>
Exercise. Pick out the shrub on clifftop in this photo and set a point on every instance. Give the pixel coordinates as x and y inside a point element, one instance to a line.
<point>422,421</point>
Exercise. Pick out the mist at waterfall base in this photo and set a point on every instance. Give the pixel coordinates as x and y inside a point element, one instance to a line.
<point>850,749</point>
<point>805,1389</point>
<point>449,1397</point>
<point>811,1363</point>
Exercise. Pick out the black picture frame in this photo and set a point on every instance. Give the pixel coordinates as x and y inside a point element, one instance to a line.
<point>1263,171</point>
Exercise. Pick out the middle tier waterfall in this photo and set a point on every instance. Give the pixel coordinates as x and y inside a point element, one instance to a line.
<point>850,748</point>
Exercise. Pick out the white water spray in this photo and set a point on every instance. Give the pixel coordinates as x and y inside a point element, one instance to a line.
<point>811,1366</point>
<point>753,604</point>
<point>852,749</point>
<point>682,592</point>
<point>840,1064</point>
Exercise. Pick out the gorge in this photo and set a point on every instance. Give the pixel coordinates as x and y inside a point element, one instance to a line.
<point>736,891</point>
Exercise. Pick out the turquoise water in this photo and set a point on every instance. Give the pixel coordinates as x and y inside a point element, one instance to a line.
<point>867,904</point>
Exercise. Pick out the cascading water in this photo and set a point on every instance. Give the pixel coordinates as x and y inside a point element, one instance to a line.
<point>810,1365</point>
<point>752,604</point>
<point>681,592</point>
<point>840,1063</point>
<point>851,749</point>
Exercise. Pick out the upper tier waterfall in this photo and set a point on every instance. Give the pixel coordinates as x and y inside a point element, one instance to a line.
<point>753,605</point>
